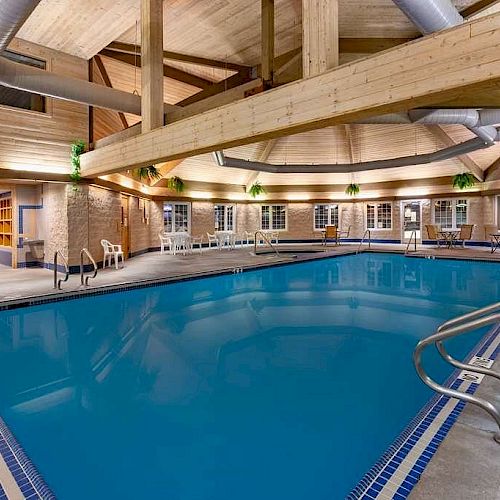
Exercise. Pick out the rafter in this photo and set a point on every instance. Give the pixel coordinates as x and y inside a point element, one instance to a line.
<point>465,160</point>
<point>350,143</point>
<point>175,56</point>
<point>107,82</point>
<point>492,173</point>
<point>266,152</point>
<point>168,71</point>
<point>267,40</point>
<point>415,75</point>
<point>478,7</point>
<point>165,168</point>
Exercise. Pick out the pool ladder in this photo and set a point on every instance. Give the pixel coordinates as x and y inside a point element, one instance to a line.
<point>452,328</point>
<point>58,282</point>
<point>266,239</point>
<point>84,280</point>
<point>365,234</point>
<point>413,238</point>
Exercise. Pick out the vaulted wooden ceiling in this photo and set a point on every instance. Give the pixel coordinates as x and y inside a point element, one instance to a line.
<point>229,31</point>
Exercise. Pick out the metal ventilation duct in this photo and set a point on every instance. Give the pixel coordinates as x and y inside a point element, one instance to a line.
<point>13,13</point>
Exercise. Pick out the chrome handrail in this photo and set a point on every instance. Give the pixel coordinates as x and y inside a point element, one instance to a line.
<point>369,233</point>
<point>85,281</point>
<point>266,239</point>
<point>407,250</point>
<point>57,283</point>
<point>458,326</point>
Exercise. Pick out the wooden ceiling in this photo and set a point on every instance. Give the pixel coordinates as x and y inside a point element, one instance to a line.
<point>229,30</point>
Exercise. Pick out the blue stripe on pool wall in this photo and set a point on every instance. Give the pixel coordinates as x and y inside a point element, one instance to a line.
<point>386,479</point>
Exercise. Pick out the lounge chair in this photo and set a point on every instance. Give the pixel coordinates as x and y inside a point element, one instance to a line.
<point>433,234</point>
<point>331,233</point>
<point>111,252</point>
<point>465,234</point>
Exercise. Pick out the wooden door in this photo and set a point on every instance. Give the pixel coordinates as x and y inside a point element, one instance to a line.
<point>125,227</point>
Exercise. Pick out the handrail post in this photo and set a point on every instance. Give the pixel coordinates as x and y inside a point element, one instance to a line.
<point>266,239</point>
<point>85,281</point>
<point>57,283</point>
<point>369,233</point>
<point>55,270</point>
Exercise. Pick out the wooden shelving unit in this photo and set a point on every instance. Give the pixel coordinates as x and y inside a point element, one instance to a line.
<point>6,222</point>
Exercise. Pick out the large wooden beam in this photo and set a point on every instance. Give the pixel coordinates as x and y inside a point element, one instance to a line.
<point>443,136</point>
<point>176,56</point>
<point>267,41</point>
<point>421,73</point>
<point>168,71</point>
<point>320,39</point>
<point>165,168</point>
<point>478,7</point>
<point>369,45</point>
<point>266,152</point>
<point>492,173</point>
<point>152,64</point>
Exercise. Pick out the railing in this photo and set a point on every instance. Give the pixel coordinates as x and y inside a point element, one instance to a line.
<point>85,280</point>
<point>369,233</point>
<point>458,326</point>
<point>264,238</point>
<point>414,238</point>
<point>57,283</point>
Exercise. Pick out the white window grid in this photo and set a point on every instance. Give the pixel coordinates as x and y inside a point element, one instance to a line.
<point>450,213</point>
<point>273,217</point>
<point>224,217</point>
<point>379,216</point>
<point>176,217</point>
<point>325,215</point>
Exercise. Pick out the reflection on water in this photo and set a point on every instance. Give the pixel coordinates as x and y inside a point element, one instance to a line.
<point>282,383</point>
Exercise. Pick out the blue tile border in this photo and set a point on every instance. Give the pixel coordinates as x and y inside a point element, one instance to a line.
<point>377,478</point>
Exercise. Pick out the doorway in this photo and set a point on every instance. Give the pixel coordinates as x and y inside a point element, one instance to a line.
<point>125,227</point>
<point>411,220</point>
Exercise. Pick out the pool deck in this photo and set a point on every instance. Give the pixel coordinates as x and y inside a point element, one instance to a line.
<point>466,465</point>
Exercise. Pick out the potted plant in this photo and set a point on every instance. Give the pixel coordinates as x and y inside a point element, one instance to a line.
<point>256,189</point>
<point>352,189</point>
<point>464,180</point>
<point>77,148</point>
<point>149,173</point>
<point>176,183</point>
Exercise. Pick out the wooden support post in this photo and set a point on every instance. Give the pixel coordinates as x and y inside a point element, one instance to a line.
<point>267,41</point>
<point>320,36</point>
<point>152,64</point>
<point>91,108</point>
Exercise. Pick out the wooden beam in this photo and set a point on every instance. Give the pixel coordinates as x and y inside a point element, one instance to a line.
<point>415,75</point>
<point>369,45</point>
<point>264,156</point>
<point>168,71</point>
<point>443,136</point>
<point>320,40</point>
<point>165,168</point>
<point>91,108</point>
<point>267,41</point>
<point>176,56</point>
<point>107,81</point>
<point>492,173</point>
<point>350,142</point>
<point>478,7</point>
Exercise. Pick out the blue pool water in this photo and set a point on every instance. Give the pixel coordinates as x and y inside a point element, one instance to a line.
<point>283,383</point>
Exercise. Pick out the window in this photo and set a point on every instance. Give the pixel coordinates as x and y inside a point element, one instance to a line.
<point>273,217</point>
<point>176,217</point>
<point>450,214</point>
<point>326,215</point>
<point>224,217</point>
<point>19,98</point>
<point>379,216</point>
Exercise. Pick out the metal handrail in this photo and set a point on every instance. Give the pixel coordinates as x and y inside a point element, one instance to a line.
<point>266,239</point>
<point>369,233</point>
<point>413,233</point>
<point>85,281</point>
<point>458,326</point>
<point>57,283</point>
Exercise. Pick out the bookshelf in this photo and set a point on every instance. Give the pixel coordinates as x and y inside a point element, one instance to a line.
<point>6,222</point>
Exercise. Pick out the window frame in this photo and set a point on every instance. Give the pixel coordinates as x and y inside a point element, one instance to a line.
<point>454,202</point>
<point>271,228</point>
<point>329,223</point>
<point>226,205</point>
<point>376,216</point>
<point>189,215</point>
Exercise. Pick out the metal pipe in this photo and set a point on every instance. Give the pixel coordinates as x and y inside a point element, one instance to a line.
<point>13,14</point>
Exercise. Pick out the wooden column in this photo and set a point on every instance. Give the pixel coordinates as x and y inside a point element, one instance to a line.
<point>152,64</point>
<point>267,34</point>
<point>320,45</point>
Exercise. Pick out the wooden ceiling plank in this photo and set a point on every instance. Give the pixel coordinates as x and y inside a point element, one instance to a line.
<point>443,136</point>
<point>415,75</point>
<point>478,7</point>
<point>107,81</point>
<point>176,56</point>
<point>168,71</point>
<point>492,173</point>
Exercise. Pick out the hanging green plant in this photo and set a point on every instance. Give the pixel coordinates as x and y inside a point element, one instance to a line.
<point>464,180</point>
<point>352,189</point>
<point>148,173</point>
<point>77,148</point>
<point>256,189</point>
<point>176,183</point>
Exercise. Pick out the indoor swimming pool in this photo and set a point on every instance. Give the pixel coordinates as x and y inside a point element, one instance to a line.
<point>281,383</point>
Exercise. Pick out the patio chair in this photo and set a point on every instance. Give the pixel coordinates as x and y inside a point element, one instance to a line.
<point>165,242</point>
<point>344,233</point>
<point>331,233</point>
<point>249,236</point>
<point>433,234</point>
<point>111,252</point>
<point>465,234</point>
<point>489,229</point>
<point>212,238</point>
<point>197,240</point>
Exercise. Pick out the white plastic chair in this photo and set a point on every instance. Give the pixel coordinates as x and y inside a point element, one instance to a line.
<point>249,236</point>
<point>111,252</point>
<point>165,242</point>
<point>212,238</point>
<point>197,240</point>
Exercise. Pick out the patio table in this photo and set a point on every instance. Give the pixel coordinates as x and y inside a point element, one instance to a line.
<point>449,236</point>
<point>495,241</point>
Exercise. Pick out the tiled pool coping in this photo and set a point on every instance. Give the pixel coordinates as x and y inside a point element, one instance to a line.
<point>392,477</point>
